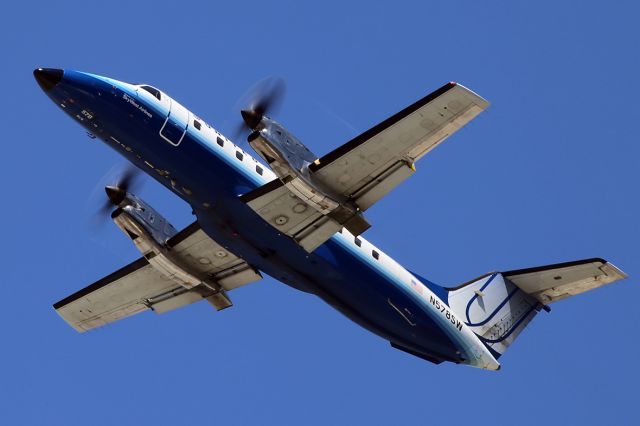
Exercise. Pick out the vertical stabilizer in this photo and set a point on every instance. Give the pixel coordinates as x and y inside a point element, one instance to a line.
<point>495,309</point>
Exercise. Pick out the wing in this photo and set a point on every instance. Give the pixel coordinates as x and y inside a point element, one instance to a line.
<point>141,285</point>
<point>556,282</point>
<point>372,164</point>
<point>366,168</point>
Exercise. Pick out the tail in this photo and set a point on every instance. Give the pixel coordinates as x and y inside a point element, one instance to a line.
<point>499,305</point>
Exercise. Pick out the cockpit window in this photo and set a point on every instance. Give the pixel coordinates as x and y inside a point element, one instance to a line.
<point>155,92</point>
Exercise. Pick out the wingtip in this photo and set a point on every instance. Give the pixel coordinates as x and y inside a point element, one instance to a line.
<point>615,273</point>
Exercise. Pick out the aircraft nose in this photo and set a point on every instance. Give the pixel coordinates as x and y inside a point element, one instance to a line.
<point>48,78</point>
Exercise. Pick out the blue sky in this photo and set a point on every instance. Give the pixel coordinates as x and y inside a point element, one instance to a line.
<point>547,174</point>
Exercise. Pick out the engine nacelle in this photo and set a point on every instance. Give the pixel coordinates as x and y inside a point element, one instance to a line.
<point>290,159</point>
<point>146,220</point>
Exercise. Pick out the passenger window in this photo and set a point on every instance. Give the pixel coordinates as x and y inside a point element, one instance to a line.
<point>358,242</point>
<point>220,141</point>
<point>197,124</point>
<point>239,155</point>
<point>155,92</point>
<point>259,170</point>
<point>375,254</point>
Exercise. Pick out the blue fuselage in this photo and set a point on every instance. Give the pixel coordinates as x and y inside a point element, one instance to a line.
<point>210,178</point>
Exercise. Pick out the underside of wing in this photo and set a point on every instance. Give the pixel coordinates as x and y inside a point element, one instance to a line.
<point>551,283</point>
<point>290,215</point>
<point>132,289</point>
<point>192,267</point>
<point>372,164</point>
<point>195,251</point>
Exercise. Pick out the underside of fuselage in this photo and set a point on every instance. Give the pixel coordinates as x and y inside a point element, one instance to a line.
<point>211,183</point>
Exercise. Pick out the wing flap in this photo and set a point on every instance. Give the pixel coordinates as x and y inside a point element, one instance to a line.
<point>551,283</point>
<point>204,257</point>
<point>180,297</point>
<point>380,185</point>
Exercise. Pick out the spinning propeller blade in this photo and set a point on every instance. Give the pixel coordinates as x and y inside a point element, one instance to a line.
<point>128,178</point>
<point>263,97</point>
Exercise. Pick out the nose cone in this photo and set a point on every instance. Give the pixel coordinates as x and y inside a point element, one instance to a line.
<point>48,78</point>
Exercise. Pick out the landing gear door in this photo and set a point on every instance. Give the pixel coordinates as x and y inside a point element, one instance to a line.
<point>176,124</point>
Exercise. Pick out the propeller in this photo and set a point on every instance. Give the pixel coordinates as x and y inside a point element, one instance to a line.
<point>263,97</point>
<point>128,178</point>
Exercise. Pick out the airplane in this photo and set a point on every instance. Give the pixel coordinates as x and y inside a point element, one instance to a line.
<point>298,218</point>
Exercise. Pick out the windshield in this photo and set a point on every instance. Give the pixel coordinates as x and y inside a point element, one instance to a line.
<point>155,92</point>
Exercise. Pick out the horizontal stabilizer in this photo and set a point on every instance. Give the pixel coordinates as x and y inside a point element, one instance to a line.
<point>551,283</point>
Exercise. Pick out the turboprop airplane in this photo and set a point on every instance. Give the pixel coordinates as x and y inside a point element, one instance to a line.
<point>298,218</point>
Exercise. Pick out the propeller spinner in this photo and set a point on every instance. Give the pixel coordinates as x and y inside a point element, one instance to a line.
<point>264,97</point>
<point>128,179</point>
